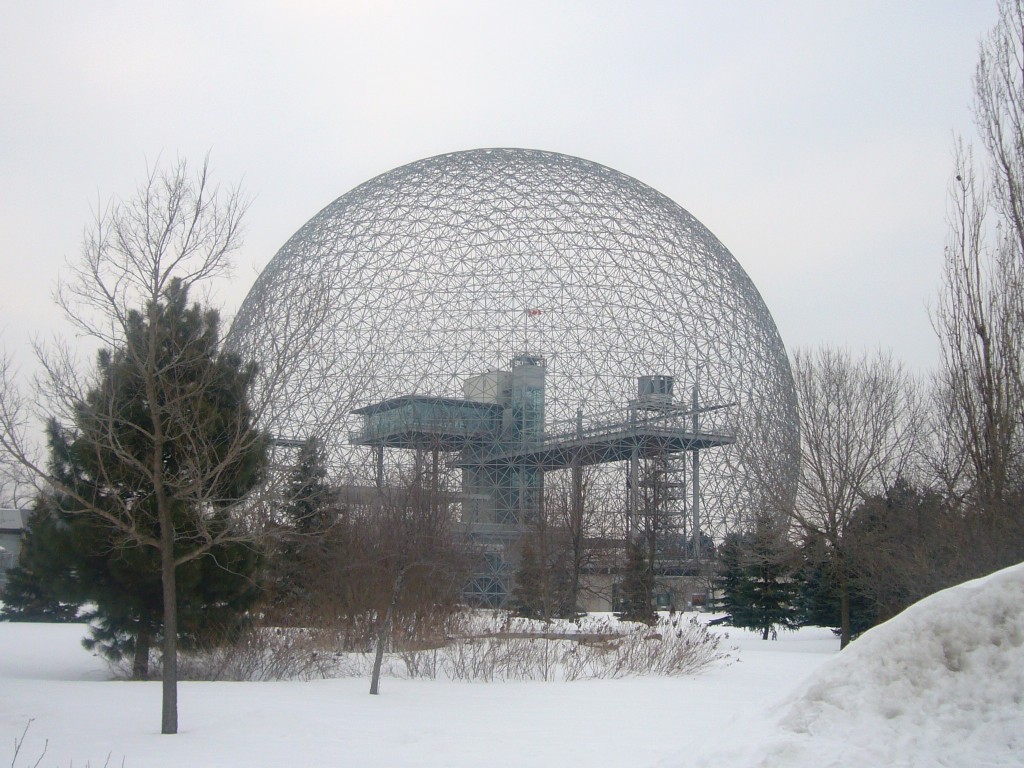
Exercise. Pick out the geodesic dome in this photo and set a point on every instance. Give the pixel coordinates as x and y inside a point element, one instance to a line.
<point>454,265</point>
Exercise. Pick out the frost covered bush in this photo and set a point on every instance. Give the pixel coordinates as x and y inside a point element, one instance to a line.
<point>673,646</point>
<point>269,653</point>
<point>590,648</point>
<point>484,647</point>
<point>333,649</point>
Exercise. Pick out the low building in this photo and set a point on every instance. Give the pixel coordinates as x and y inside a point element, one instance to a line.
<point>13,523</point>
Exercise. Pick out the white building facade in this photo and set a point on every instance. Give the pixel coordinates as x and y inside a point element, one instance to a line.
<point>12,526</point>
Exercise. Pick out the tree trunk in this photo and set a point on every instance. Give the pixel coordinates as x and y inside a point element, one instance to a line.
<point>382,636</point>
<point>844,611</point>
<point>574,584</point>
<point>140,662</point>
<point>169,716</point>
<point>576,532</point>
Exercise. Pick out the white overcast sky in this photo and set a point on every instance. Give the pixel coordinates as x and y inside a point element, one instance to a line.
<point>813,138</point>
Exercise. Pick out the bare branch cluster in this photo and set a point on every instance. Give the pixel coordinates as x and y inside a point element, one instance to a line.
<point>152,438</point>
<point>480,648</point>
<point>860,425</point>
<point>980,315</point>
<point>177,226</point>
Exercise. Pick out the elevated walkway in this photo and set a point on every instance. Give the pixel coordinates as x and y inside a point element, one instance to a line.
<point>475,429</point>
<point>605,442</point>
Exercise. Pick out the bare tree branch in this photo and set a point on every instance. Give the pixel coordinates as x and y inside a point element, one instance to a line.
<point>170,450</point>
<point>860,425</point>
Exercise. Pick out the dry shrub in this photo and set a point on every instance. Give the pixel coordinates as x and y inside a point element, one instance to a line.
<point>589,648</point>
<point>333,649</point>
<point>480,647</point>
<point>262,653</point>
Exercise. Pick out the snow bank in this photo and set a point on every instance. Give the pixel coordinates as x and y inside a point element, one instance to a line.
<point>942,684</point>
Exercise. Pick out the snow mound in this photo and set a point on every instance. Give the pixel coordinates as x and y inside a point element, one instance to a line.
<point>942,684</point>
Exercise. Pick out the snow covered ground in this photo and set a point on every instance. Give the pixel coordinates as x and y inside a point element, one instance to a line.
<point>940,685</point>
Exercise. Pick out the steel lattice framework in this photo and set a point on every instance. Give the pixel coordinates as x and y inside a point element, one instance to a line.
<point>454,265</point>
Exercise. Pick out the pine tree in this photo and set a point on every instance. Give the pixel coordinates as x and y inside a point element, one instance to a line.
<point>637,586</point>
<point>106,517</point>
<point>30,593</point>
<point>772,588</point>
<point>308,515</point>
<point>310,500</point>
<point>819,597</point>
<point>528,592</point>
<point>756,580</point>
<point>907,543</point>
<point>731,583</point>
<point>160,432</point>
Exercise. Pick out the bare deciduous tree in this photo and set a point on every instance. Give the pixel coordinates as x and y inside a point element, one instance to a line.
<point>560,543</point>
<point>999,116</point>
<point>860,425</point>
<point>979,320</point>
<point>980,314</point>
<point>175,233</point>
<point>14,418</point>
<point>579,519</point>
<point>415,561</point>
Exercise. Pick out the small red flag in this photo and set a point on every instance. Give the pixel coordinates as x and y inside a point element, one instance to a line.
<point>535,312</point>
